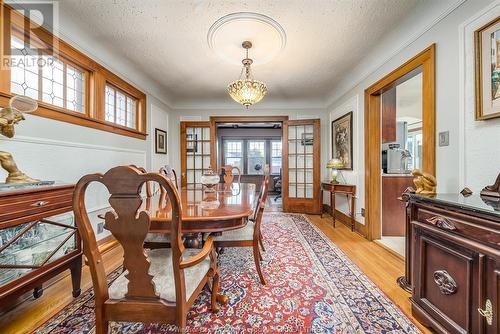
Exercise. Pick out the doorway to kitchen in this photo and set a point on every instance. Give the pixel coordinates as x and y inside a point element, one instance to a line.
<point>399,137</point>
<point>401,153</point>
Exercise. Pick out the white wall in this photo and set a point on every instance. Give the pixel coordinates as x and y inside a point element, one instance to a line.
<point>479,142</point>
<point>52,150</point>
<point>201,114</point>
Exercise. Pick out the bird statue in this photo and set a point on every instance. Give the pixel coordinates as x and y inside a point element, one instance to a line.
<point>9,117</point>
<point>425,182</point>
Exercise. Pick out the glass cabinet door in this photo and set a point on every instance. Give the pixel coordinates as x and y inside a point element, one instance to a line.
<point>29,246</point>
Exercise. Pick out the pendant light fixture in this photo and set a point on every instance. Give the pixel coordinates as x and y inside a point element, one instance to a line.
<point>246,90</point>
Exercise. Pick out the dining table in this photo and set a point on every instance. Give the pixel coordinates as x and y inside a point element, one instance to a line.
<point>221,208</point>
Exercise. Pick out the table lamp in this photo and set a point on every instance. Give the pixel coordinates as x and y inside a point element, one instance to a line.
<point>334,165</point>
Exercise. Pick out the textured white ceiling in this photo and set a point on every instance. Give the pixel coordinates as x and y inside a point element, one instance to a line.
<point>166,39</point>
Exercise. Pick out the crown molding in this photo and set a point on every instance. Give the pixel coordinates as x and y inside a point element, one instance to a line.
<point>263,105</point>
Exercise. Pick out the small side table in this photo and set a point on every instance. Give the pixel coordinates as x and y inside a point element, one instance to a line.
<point>333,189</point>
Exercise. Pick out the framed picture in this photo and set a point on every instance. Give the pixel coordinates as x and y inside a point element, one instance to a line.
<point>487,57</point>
<point>342,140</point>
<point>191,142</point>
<point>160,141</point>
<point>307,139</point>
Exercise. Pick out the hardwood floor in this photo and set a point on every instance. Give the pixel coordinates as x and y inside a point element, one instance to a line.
<point>380,265</point>
<point>28,315</point>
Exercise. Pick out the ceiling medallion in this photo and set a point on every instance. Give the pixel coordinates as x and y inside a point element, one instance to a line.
<point>225,35</point>
<point>246,90</point>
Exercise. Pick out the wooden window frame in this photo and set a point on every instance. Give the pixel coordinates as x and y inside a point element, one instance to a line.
<point>244,158</point>
<point>127,96</point>
<point>96,78</point>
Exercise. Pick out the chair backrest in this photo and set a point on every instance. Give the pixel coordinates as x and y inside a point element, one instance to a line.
<point>129,224</point>
<point>149,188</point>
<point>264,186</point>
<point>228,173</point>
<point>261,205</point>
<point>170,173</point>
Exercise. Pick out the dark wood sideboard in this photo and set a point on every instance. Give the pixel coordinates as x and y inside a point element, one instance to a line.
<point>38,240</point>
<point>453,263</point>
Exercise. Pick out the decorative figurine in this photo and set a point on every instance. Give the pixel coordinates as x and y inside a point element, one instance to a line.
<point>493,190</point>
<point>9,117</point>
<point>425,182</point>
<point>228,177</point>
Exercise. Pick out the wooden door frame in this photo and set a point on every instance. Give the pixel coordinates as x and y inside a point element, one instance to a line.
<point>426,61</point>
<point>240,119</point>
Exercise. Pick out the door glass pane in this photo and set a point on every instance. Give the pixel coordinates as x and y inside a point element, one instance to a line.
<point>309,191</point>
<point>206,133</point>
<point>197,153</point>
<point>300,161</point>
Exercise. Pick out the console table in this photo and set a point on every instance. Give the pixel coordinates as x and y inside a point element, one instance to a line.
<point>337,188</point>
<point>38,239</point>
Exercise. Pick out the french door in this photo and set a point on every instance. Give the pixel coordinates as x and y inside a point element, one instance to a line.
<point>196,152</point>
<point>301,166</point>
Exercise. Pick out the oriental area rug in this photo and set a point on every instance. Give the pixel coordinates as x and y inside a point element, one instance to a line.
<point>312,287</point>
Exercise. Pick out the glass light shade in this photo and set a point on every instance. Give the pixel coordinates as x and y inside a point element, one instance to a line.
<point>334,165</point>
<point>247,92</point>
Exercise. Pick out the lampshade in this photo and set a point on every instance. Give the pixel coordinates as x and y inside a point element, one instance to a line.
<point>247,91</point>
<point>334,163</point>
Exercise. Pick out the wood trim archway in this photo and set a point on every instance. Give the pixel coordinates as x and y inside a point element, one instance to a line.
<point>425,61</point>
<point>236,119</point>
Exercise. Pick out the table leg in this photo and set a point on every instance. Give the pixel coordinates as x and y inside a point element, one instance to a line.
<point>76,276</point>
<point>333,207</point>
<point>353,212</point>
<point>322,200</point>
<point>193,240</point>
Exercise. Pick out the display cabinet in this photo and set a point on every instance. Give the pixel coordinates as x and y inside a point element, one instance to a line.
<point>38,239</point>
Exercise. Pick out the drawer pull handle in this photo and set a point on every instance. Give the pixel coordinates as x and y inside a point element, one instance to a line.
<point>40,203</point>
<point>487,312</point>
<point>441,222</point>
<point>445,283</point>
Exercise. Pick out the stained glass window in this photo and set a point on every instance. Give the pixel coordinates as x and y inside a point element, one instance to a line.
<point>46,78</point>
<point>120,108</point>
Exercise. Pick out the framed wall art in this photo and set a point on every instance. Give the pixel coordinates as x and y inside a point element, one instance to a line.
<point>342,140</point>
<point>160,141</point>
<point>487,70</point>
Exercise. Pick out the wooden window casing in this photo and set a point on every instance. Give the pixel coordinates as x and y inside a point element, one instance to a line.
<point>96,79</point>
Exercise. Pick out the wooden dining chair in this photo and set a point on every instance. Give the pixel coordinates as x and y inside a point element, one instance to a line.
<point>170,173</point>
<point>250,234</point>
<point>156,286</point>
<point>253,217</point>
